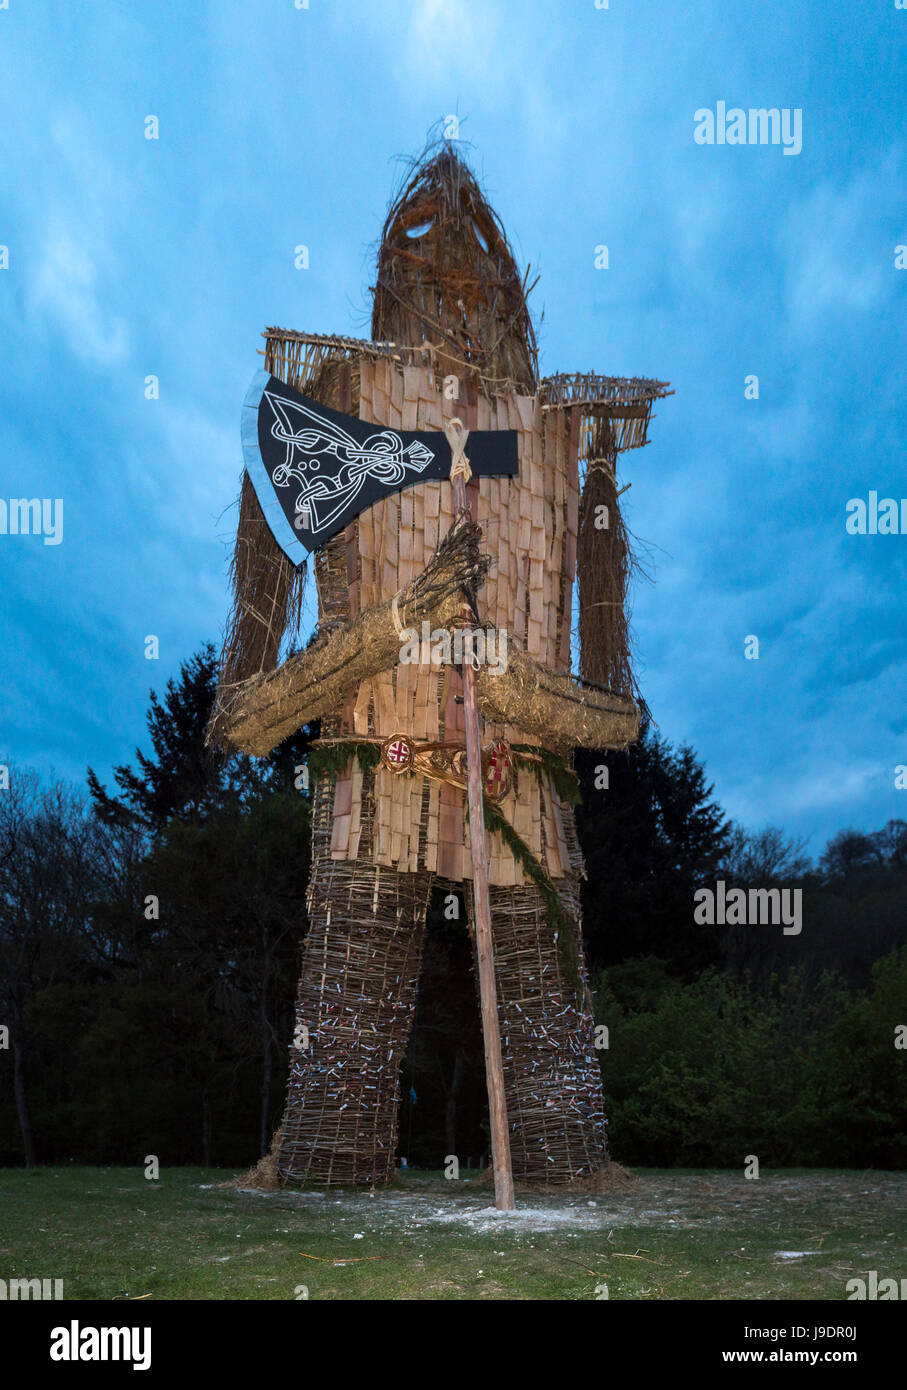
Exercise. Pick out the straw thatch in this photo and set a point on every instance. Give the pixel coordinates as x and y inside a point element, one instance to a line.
<point>268,591</point>
<point>605,564</point>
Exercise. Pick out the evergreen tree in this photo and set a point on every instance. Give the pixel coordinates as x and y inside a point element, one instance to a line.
<point>650,835</point>
<point>184,779</point>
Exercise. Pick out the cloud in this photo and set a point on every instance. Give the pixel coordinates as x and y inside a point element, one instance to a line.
<point>835,262</point>
<point>455,38</point>
<point>202,469</point>
<point>817,789</point>
<point>65,288</point>
<point>784,432</point>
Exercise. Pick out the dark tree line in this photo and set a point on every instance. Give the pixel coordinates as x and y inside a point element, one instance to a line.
<point>149,947</point>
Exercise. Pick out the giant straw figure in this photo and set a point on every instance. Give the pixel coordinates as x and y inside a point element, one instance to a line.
<point>451,336</point>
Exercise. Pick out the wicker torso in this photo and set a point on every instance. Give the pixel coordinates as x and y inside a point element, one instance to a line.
<point>530,525</point>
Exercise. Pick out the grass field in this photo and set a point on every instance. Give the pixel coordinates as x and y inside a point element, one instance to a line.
<point>110,1234</point>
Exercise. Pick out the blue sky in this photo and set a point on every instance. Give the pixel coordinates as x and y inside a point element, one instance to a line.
<point>278,126</point>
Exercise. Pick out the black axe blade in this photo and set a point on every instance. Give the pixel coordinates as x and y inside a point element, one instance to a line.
<point>314,469</point>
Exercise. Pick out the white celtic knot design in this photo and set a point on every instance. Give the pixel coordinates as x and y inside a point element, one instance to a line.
<point>311,439</point>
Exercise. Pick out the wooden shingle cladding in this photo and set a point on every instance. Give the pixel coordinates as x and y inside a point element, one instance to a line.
<point>530,527</point>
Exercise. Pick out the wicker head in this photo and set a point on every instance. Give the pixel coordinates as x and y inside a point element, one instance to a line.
<point>448,278</point>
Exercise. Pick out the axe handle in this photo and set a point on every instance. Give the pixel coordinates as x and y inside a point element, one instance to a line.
<point>494,1070</point>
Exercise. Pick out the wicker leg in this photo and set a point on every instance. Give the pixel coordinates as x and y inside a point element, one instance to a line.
<point>552,1076</point>
<point>356,1000</point>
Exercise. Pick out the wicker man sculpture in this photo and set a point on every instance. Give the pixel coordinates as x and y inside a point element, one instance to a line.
<point>451,337</point>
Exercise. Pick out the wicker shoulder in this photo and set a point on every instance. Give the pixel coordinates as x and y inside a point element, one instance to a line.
<point>615,410</point>
<point>325,366</point>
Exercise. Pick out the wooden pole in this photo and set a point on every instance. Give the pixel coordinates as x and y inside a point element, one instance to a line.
<point>494,1070</point>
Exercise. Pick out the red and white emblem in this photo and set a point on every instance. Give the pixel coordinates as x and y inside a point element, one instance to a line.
<point>498,768</point>
<point>397,753</point>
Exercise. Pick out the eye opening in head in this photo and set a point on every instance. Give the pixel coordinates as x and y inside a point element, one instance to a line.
<point>418,229</point>
<point>479,235</point>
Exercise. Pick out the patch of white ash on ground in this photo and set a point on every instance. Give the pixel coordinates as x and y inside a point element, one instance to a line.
<point>669,1202</point>
<point>414,1210</point>
<point>525,1217</point>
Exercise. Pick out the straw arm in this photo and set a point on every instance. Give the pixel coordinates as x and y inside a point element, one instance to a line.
<point>556,708</point>
<point>259,713</point>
